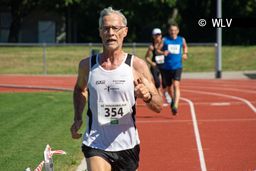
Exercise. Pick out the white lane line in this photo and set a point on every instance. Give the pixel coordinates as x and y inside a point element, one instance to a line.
<point>203,103</point>
<point>153,121</point>
<point>34,87</point>
<point>197,135</point>
<point>223,88</point>
<point>220,104</point>
<point>224,95</point>
<point>82,166</point>
<point>235,85</point>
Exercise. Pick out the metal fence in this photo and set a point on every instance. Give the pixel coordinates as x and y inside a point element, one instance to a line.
<point>32,58</point>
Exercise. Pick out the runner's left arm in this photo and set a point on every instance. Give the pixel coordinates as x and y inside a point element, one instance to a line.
<point>144,85</point>
<point>185,50</point>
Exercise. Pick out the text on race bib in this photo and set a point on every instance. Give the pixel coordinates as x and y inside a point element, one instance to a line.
<point>174,49</point>
<point>159,59</point>
<point>113,113</point>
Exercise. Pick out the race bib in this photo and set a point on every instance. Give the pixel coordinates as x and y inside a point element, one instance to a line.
<point>159,59</point>
<point>174,49</point>
<point>113,113</point>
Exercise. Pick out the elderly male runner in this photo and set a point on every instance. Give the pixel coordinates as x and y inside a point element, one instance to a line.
<point>113,80</point>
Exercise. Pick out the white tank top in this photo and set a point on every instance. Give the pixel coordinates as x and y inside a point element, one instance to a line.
<point>111,107</point>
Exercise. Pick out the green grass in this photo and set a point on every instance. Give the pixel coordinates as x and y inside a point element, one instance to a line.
<point>200,59</point>
<point>28,122</point>
<point>239,58</point>
<point>65,59</point>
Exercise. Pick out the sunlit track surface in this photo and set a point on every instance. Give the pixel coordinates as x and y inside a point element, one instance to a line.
<point>218,136</point>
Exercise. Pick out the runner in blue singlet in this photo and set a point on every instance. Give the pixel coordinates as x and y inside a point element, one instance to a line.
<point>174,48</point>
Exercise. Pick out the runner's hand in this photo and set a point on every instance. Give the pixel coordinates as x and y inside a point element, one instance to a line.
<point>74,129</point>
<point>185,56</point>
<point>153,64</point>
<point>141,89</point>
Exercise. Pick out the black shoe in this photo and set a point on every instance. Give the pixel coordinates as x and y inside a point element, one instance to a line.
<point>174,108</point>
<point>174,111</point>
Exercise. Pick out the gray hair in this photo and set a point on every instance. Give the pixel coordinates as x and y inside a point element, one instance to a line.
<point>108,11</point>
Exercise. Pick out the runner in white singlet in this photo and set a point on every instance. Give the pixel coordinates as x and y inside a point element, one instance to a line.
<point>110,82</point>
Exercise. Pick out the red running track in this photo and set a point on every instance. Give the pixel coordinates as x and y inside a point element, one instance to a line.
<point>215,129</point>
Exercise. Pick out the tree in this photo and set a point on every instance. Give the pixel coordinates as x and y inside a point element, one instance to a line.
<point>142,17</point>
<point>192,11</point>
<point>21,8</point>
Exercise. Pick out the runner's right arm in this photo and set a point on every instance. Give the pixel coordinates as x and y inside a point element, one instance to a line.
<point>79,97</point>
<point>147,56</point>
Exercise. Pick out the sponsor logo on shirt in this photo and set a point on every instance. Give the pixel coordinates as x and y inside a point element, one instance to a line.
<point>110,88</point>
<point>100,82</point>
<point>119,81</point>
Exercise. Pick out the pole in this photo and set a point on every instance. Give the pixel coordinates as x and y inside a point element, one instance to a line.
<point>134,48</point>
<point>219,43</point>
<point>44,59</point>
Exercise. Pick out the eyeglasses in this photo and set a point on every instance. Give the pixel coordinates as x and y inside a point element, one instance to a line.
<point>114,28</point>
